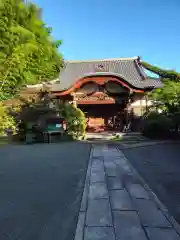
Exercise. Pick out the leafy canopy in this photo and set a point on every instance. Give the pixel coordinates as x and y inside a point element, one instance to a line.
<point>169,95</point>
<point>163,73</point>
<point>166,99</point>
<point>28,54</point>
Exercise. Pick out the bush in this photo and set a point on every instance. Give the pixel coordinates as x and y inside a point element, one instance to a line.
<point>7,122</point>
<point>157,125</point>
<point>76,121</point>
<point>29,112</point>
<point>32,113</point>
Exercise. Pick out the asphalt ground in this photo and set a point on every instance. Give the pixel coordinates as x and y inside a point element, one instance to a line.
<point>40,190</point>
<point>159,165</point>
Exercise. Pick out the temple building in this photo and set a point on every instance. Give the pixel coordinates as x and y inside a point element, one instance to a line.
<point>105,90</point>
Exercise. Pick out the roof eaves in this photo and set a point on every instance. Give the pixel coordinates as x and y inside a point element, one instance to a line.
<point>101,60</point>
<point>112,74</point>
<point>140,69</point>
<point>153,82</point>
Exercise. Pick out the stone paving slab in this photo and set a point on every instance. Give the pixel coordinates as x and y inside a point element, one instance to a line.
<point>111,169</point>
<point>116,204</point>
<point>150,215</point>
<point>137,191</point>
<point>99,233</point>
<point>97,177</point>
<point>98,190</point>
<point>97,163</point>
<point>99,213</point>
<point>120,200</point>
<point>122,165</point>
<point>97,174</point>
<point>127,226</point>
<point>114,183</point>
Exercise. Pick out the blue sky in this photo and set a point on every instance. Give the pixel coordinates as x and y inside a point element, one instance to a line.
<point>93,29</point>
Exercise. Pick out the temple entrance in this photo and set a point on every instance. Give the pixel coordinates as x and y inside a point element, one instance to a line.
<point>107,91</point>
<point>102,117</point>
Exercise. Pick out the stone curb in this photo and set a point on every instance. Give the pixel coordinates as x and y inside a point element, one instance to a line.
<point>135,145</point>
<point>145,144</point>
<point>84,201</point>
<point>154,197</point>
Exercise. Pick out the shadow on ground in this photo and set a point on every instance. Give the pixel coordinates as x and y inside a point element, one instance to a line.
<point>41,188</point>
<point>122,139</point>
<point>159,165</point>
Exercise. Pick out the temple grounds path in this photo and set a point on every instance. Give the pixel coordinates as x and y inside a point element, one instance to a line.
<point>117,203</point>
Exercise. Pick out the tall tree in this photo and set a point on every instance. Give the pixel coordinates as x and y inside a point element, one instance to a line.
<point>28,54</point>
<point>163,73</point>
<point>168,97</point>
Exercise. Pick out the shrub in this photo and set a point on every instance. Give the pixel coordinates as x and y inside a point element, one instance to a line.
<point>7,122</point>
<point>76,122</point>
<point>34,111</point>
<point>29,111</point>
<point>157,125</point>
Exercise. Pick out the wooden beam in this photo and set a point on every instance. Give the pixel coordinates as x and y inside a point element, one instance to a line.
<point>100,80</point>
<point>95,102</point>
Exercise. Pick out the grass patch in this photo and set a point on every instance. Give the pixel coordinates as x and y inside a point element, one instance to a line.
<point>116,138</point>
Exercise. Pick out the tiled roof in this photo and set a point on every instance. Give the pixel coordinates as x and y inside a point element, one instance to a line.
<point>152,82</point>
<point>129,69</point>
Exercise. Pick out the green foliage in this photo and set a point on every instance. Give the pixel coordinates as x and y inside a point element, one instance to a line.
<point>163,73</point>
<point>7,122</point>
<point>28,54</point>
<point>157,125</point>
<point>35,111</point>
<point>167,99</point>
<point>31,112</point>
<point>76,121</point>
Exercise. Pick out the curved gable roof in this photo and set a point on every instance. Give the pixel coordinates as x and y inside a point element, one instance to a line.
<point>128,69</point>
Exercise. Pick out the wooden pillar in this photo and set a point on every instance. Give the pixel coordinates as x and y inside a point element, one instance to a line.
<point>146,99</point>
<point>141,107</point>
<point>128,109</point>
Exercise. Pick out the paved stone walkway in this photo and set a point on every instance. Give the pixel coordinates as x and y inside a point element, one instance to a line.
<point>116,205</point>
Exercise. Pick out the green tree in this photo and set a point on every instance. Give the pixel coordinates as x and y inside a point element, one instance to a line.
<point>28,54</point>
<point>167,98</point>
<point>163,73</point>
<point>169,95</point>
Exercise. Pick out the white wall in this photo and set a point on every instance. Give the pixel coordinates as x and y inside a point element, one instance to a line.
<point>141,102</point>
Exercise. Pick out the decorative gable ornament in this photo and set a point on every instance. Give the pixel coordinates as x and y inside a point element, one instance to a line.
<point>99,68</point>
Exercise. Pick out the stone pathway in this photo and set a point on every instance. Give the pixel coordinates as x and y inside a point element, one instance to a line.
<point>116,205</point>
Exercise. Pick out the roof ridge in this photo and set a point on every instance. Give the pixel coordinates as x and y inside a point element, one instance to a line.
<point>100,60</point>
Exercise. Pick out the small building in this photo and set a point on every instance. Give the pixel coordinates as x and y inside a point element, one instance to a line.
<point>108,91</point>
